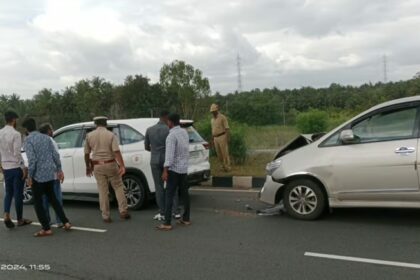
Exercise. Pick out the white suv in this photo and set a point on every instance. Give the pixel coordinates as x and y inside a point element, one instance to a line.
<point>138,181</point>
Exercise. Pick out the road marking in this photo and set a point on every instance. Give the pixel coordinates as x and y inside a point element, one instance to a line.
<point>362,260</point>
<point>73,227</point>
<point>216,189</point>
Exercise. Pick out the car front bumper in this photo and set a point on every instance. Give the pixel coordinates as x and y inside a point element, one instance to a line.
<point>269,191</point>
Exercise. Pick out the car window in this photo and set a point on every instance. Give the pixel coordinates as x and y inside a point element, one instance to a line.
<point>114,130</point>
<point>333,140</point>
<point>68,139</point>
<point>193,135</point>
<point>129,135</point>
<point>385,126</point>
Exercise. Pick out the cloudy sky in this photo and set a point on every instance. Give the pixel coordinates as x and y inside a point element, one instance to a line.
<point>282,43</point>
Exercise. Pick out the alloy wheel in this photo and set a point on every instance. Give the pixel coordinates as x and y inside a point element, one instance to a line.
<point>27,195</point>
<point>303,200</point>
<point>132,191</point>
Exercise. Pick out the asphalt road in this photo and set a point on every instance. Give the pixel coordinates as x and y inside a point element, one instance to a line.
<point>226,241</point>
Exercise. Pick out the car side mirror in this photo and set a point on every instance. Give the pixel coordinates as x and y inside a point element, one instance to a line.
<point>347,136</point>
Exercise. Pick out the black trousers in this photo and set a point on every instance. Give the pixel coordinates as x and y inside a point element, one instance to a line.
<point>176,182</point>
<point>47,189</point>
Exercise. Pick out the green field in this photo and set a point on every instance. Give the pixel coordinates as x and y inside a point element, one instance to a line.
<point>267,139</point>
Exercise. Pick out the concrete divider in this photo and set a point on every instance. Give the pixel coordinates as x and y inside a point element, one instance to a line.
<point>236,182</point>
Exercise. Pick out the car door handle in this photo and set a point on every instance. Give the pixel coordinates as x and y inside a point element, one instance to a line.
<point>405,150</point>
<point>67,156</point>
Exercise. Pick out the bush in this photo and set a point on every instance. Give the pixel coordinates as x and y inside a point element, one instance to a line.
<point>237,146</point>
<point>312,121</point>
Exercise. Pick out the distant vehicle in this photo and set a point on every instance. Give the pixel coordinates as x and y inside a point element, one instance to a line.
<point>138,181</point>
<point>370,161</point>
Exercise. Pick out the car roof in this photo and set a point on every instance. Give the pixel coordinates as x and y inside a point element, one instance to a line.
<point>397,101</point>
<point>140,124</point>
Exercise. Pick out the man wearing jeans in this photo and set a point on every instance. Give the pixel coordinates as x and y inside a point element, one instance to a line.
<point>154,142</point>
<point>175,171</point>
<point>43,165</point>
<point>14,170</point>
<point>47,129</point>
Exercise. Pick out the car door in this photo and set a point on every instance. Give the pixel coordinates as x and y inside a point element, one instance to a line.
<point>68,143</point>
<point>381,165</point>
<point>82,183</point>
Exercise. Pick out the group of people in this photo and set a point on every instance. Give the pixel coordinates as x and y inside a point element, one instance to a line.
<point>43,173</point>
<point>167,142</point>
<point>169,147</point>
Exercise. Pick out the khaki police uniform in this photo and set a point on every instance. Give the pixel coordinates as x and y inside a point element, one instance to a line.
<point>103,144</point>
<point>219,125</point>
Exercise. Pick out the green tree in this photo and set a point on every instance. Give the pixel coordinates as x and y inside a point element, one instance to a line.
<point>187,84</point>
<point>138,98</point>
<point>312,121</point>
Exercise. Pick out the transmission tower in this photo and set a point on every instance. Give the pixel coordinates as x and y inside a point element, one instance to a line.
<point>385,68</point>
<point>238,64</point>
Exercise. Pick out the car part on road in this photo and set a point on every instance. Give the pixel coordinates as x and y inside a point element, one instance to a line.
<point>272,211</point>
<point>134,191</point>
<point>304,199</point>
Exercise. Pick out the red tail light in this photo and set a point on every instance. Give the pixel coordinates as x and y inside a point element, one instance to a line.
<point>206,146</point>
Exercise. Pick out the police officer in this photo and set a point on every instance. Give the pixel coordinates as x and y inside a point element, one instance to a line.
<point>220,136</point>
<point>107,165</point>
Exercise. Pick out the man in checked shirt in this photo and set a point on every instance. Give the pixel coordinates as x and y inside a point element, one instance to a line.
<point>175,171</point>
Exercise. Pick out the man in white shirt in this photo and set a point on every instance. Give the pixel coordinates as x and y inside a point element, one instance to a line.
<point>175,171</point>
<point>13,169</point>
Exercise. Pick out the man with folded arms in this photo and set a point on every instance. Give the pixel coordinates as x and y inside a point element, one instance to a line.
<point>13,168</point>
<point>107,165</point>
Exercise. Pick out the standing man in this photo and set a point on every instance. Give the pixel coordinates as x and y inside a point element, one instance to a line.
<point>155,141</point>
<point>107,165</point>
<point>13,169</point>
<point>221,136</point>
<point>47,129</point>
<point>43,166</point>
<point>175,171</point>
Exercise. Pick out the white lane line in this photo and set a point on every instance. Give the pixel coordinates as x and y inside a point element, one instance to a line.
<point>362,260</point>
<point>215,189</point>
<point>73,227</point>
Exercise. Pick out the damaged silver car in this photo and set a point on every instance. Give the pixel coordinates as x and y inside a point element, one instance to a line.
<point>369,161</point>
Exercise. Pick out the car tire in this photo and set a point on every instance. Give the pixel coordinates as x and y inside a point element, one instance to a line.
<point>135,192</point>
<point>27,195</point>
<point>304,199</point>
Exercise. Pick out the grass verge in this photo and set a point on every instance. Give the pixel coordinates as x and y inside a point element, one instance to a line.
<point>253,166</point>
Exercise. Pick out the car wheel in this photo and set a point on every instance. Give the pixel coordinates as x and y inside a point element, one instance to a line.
<point>135,192</point>
<point>27,195</point>
<point>304,199</point>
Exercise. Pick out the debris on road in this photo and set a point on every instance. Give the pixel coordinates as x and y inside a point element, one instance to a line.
<point>272,211</point>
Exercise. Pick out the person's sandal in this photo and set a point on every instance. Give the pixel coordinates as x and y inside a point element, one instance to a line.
<point>184,223</point>
<point>43,233</point>
<point>67,226</point>
<point>163,227</point>
<point>9,224</point>
<point>125,216</point>
<point>24,222</point>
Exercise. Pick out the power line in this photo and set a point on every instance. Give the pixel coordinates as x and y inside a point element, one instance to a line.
<point>238,64</point>
<point>385,68</point>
